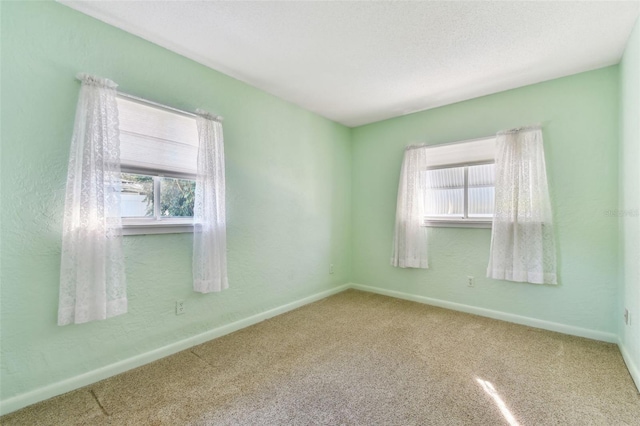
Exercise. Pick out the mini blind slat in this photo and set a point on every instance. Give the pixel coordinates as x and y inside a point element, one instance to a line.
<point>481,190</point>
<point>445,192</point>
<point>156,140</point>
<point>445,178</point>
<point>481,202</point>
<point>481,175</point>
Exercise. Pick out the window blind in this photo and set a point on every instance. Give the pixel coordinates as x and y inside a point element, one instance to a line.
<point>474,151</point>
<point>156,141</point>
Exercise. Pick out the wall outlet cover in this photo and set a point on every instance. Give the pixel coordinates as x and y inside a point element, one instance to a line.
<point>180,307</point>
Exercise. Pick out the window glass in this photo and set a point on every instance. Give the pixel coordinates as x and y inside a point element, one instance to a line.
<point>459,183</point>
<point>444,196</point>
<point>481,191</point>
<point>446,189</point>
<point>136,199</point>
<point>176,197</point>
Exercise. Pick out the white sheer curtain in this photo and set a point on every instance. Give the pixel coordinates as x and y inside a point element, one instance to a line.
<point>410,237</point>
<point>522,240</point>
<point>209,230</point>
<point>92,278</point>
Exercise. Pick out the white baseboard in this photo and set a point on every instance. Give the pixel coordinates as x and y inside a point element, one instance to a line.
<point>19,401</point>
<point>504,316</point>
<point>631,365</point>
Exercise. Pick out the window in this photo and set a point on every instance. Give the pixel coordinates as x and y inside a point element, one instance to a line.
<point>459,184</point>
<point>158,156</point>
<point>156,197</point>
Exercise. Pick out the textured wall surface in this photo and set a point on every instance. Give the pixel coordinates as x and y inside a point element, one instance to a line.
<point>630,197</point>
<point>288,198</point>
<point>579,115</point>
<point>303,192</point>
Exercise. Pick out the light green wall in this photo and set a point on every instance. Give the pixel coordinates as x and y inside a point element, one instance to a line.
<point>302,192</point>
<point>630,199</point>
<point>288,198</point>
<point>579,115</point>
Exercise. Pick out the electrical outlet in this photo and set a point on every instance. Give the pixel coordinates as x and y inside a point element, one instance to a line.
<point>180,307</point>
<point>627,317</point>
<point>331,268</point>
<point>470,281</point>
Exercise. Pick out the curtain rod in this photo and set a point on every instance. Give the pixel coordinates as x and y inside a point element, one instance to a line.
<point>159,105</point>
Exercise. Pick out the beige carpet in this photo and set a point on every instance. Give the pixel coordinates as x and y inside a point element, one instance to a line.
<point>362,359</point>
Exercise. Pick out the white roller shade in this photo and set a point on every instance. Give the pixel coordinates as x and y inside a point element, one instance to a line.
<point>460,153</point>
<point>157,141</point>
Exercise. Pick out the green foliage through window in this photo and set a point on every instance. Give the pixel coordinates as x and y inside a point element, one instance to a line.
<point>176,195</point>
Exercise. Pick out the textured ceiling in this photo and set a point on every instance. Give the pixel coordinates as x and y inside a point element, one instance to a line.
<point>360,62</point>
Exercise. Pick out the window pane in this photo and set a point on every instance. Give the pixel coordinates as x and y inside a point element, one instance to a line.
<point>444,196</point>
<point>136,198</point>
<point>481,190</point>
<point>176,197</point>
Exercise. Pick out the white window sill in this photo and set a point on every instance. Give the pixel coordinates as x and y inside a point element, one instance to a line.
<point>459,223</point>
<point>152,226</point>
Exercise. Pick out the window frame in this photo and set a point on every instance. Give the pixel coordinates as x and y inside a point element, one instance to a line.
<point>465,221</point>
<point>156,224</point>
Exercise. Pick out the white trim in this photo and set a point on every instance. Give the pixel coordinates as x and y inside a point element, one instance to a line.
<point>156,172</point>
<point>504,316</point>
<point>166,225</point>
<point>462,223</point>
<point>462,164</point>
<point>459,153</point>
<point>157,227</point>
<point>631,366</point>
<point>19,401</point>
<point>483,138</point>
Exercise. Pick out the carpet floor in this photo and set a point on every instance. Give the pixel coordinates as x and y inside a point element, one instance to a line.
<point>363,359</point>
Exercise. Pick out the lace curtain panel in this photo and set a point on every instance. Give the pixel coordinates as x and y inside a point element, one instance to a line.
<point>410,237</point>
<point>92,278</point>
<point>522,239</point>
<point>209,227</point>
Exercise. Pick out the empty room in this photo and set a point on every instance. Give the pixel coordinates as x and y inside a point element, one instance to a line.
<point>328,213</point>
